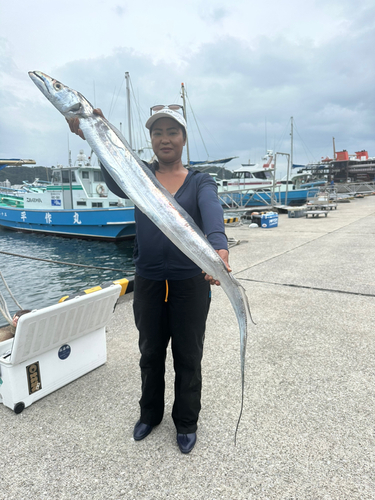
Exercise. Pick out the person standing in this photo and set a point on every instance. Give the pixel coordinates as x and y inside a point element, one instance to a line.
<point>172,294</point>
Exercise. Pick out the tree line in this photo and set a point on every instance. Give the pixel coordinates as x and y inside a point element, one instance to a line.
<point>16,175</point>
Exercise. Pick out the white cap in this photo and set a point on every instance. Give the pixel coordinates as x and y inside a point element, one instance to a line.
<point>166,113</point>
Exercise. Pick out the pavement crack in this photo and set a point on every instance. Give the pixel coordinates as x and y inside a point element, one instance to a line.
<point>319,289</point>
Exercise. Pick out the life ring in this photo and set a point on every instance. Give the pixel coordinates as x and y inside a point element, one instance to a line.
<point>100,190</point>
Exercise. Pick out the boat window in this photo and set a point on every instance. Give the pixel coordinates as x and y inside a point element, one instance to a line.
<point>96,204</point>
<point>56,176</point>
<point>66,175</point>
<point>113,204</point>
<point>260,175</point>
<point>85,174</point>
<point>98,176</point>
<point>81,203</point>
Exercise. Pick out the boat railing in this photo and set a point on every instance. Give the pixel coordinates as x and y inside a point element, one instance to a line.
<point>242,199</point>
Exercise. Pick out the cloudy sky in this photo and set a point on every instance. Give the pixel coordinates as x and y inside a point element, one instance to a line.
<point>248,67</point>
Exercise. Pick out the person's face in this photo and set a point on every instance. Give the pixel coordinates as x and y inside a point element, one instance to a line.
<point>167,140</point>
<point>15,320</point>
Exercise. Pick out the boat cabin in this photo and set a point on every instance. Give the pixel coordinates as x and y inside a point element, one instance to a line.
<point>81,186</point>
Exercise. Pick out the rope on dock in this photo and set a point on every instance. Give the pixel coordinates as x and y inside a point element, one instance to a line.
<point>3,305</point>
<point>319,289</point>
<point>10,293</point>
<point>4,309</point>
<point>61,262</point>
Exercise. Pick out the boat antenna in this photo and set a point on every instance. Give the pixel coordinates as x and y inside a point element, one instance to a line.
<point>184,111</point>
<point>127,77</point>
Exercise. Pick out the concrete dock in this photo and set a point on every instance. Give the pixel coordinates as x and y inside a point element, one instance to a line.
<point>307,429</point>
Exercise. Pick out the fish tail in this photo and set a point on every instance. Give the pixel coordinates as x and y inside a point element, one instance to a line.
<point>243,321</point>
<point>241,409</point>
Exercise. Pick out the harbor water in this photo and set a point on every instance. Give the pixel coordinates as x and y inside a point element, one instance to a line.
<point>38,283</point>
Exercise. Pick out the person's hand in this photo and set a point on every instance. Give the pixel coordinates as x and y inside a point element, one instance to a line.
<point>224,254</point>
<point>74,123</point>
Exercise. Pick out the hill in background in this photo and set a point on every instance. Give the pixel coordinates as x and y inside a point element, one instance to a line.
<point>16,175</point>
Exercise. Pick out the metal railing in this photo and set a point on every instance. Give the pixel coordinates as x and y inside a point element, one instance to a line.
<point>353,188</point>
<point>242,200</point>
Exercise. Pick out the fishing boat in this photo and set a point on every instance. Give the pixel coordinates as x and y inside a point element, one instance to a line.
<point>255,185</point>
<point>76,204</point>
<point>250,176</point>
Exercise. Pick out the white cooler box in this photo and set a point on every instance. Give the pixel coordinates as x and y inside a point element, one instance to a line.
<point>54,346</point>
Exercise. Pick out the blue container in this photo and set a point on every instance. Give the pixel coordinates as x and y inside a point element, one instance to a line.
<point>269,220</point>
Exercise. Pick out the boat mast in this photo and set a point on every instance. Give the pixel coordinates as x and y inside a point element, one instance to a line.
<point>291,143</point>
<point>184,111</point>
<point>290,160</point>
<point>273,199</point>
<point>287,181</point>
<point>127,78</point>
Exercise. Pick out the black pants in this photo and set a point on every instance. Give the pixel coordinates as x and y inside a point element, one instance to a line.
<point>176,310</point>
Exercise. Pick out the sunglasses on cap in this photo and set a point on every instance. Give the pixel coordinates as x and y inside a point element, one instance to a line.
<point>159,107</point>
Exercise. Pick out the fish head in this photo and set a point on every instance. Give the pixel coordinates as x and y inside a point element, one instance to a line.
<point>69,102</point>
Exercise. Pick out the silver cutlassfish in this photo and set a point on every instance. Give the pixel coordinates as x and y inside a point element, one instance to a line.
<point>146,192</point>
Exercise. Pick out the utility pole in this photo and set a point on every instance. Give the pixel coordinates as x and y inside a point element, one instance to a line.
<point>287,178</point>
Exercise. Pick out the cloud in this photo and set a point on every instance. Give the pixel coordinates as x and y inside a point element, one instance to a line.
<point>236,89</point>
<point>214,15</point>
<point>120,10</point>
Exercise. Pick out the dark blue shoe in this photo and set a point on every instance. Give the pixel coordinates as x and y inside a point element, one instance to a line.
<point>186,442</point>
<point>141,430</point>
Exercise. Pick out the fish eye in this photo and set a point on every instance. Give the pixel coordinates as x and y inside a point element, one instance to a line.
<point>57,85</point>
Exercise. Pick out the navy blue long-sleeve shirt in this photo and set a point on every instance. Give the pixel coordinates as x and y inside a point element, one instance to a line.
<point>155,256</point>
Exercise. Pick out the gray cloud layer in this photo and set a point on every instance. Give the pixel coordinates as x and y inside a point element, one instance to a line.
<point>238,90</point>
